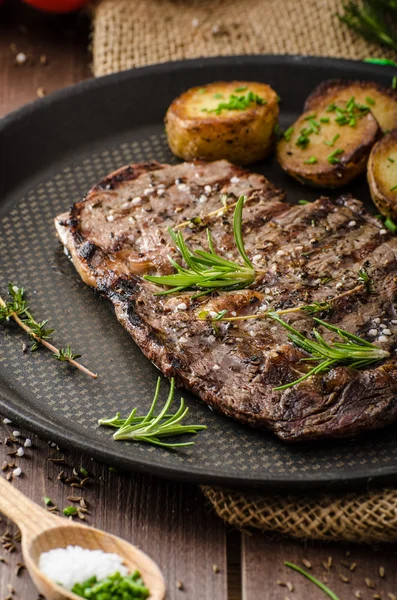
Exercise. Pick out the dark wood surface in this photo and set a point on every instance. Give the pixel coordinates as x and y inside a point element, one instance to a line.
<point>169,521</point>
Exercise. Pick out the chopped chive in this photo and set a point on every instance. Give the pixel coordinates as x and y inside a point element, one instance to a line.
<point>69,510</point>
<point>288,133</point>
<point>312,116</point>
<point>394,83</point>
<point>201,91</point>
<point>47,501</point>
<point>84,471</point>
<point>217,96</point>
<point>324,120</point>
<point>311,161</point>
<point>316,582</point>
<point>390,224</point>
<point>370,101</point>
<point>332,142</point>
<point>333,157</point>
<point>303,202</point>
<point>390,159</point>
<point>330,107</point>
<point>241,89</point>
<point>393,188</point>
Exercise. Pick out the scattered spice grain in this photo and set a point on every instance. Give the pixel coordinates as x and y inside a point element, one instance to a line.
<point>179,585</point>
<point>307,563</point>
<point>381,571</point>
<point>215,568</point>
<point>41,92</point>
<point>370,584</point>
<point>344,578</point>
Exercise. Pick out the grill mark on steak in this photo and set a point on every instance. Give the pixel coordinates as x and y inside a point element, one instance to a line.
<point>304,253</point>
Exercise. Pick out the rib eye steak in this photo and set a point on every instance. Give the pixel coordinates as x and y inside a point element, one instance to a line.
<point>305,254</point>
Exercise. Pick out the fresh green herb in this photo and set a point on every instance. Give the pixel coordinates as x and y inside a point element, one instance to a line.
<point>394,83</point>
<point>390,225</point>
<point>114,587</point>
<point>353,351</point>
<point>370,101</point>
<point>311,161</point>
<point>207,271</point>
<point>333,157</point>
<point>311,116</point>
<point>364,277</point>
<point>84,471</point>
<point>288,133</point>
<point>381,61</point>
<point>318,583</point>
<point>325,120</point>
<point>218,96</point>
<point>303,202</point>
<point>371,20</point>
<point>390,159</point>
<point>317,307</point>
<point>153,429</point>
<point>304,140</point>
<point>201,91</point>
<point>332,142</point>
<point>314,125</point>
<point>238,103</point>
<point>47,501</point>
<point>350,113</point>
<point>241,89</point>
<point>66,354</point>
<point>17,310</point>
<point>69,511</point>
<point>393,188</point>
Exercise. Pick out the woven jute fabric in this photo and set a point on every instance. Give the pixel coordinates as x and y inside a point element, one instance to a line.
<point>369,517</point>
<point>133,33</point>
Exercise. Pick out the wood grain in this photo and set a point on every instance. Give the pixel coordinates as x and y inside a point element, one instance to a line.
<point>263,560</point>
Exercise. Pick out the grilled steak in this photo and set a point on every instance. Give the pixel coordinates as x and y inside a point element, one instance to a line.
<point>305,254</point>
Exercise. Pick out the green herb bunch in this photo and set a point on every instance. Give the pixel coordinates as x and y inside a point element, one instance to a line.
<point>372,20</point>
<point>17,310</point>
<point>114,587</point>
<point>352,351</point>
<point>207,271</point>
<point>237,102</point>
<point>153,429</point>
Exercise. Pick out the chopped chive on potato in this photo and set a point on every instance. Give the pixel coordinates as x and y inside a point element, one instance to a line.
<point>233,120</point>
<point>329,146</point>
<point>382,175</point>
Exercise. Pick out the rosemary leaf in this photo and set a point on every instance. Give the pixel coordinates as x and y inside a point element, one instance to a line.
<point>153,429</point>
<point>353,351</point>
<point>370,20</point>
<point>316,582</point>
<point>207,271</point>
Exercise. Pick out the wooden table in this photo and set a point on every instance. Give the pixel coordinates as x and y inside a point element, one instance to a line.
<point>201,558</point>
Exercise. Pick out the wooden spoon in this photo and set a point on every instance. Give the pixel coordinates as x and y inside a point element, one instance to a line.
<point>42,531</point>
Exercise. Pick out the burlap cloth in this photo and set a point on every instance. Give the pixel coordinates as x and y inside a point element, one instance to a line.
<point>132,33</point>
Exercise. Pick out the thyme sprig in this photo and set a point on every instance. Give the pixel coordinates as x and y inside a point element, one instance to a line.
<point>17,310</point>
<point>207,271</point>
<point>370,20</point>
<point>153,429</point>
<point>316,582</point>
<point>353,351</point>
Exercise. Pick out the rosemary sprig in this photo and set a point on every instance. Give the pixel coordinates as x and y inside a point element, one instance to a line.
<point>353,351</point>
<point>316,582</point>
<point>207,271</point>
<point>152,429</point>
<point>17,310</point>
<point>370,19</point>
<point>366,279</point>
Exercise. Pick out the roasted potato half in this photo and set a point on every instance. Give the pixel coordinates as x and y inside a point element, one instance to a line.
<point>319,151</point>
<point>381,100</point>
<point>382,175</point>
<point>210,122</point>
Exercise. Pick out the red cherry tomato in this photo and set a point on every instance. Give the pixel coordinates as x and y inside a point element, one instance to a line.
<point>56,6</point>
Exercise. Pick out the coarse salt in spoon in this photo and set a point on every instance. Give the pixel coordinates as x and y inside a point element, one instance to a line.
<point>42,531</point>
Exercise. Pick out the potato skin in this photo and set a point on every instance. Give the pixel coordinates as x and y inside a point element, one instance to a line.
<point>356,143</point>
<point>335,90</point>
<point>240,136</point>
<point>382,175</point>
